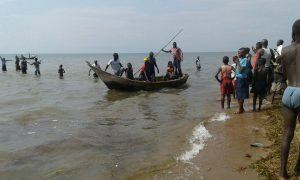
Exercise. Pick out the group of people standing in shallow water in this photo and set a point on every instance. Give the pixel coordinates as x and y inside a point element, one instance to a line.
<point>21,65</point>
<point>260,74</point>
<point>267,72</point>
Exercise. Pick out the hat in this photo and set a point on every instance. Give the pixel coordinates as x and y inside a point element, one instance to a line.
<point>146,59</point>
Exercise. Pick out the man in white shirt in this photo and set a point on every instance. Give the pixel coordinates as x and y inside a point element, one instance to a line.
<point>279,48</point>
<point>115,65</point>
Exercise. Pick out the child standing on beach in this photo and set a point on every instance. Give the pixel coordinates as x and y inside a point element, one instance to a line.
<point>259,87</point>
<point>226,85</point>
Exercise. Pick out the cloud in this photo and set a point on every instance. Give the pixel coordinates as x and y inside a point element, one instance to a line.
<point>140,26</point>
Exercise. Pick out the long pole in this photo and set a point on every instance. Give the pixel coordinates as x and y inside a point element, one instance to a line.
<point>168,43</point>
<point>163,48</point>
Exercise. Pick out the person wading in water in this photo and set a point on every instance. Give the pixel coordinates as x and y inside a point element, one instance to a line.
<point>97,66</point>
<point>24,65</point>
<point>3,60</point>
<point>17,63</point>
<point>36,64</point>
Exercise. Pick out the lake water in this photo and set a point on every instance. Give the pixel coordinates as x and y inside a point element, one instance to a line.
<point>75,128</point>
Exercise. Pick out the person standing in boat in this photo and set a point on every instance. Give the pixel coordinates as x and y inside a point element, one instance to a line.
<point>152,66</point>
<point>177,58</point>
<point>3,60</point>
<point>17,63</point>
<point>97,66</point>
<point>116,65</point>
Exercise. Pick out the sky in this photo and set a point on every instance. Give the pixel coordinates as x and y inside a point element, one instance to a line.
<point>104,26</point>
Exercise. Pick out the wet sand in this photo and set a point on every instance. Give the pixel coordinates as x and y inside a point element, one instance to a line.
<point>227,154</point>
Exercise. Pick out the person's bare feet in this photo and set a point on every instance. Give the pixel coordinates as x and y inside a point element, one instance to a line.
<point>240,112</point>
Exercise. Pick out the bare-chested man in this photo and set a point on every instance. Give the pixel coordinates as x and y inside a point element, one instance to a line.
<point>291,98</point>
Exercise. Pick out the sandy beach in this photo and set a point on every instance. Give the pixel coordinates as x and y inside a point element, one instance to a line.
<point>228,153</point>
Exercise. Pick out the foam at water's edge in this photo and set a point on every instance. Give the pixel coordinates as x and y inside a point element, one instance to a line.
<point>220,117</point>
<point>197,142</point>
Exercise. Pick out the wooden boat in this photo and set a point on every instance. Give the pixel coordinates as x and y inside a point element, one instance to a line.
<point>124,84</point>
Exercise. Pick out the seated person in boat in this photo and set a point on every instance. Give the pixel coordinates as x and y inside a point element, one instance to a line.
<point>170,71</point>
<point>144,74</point>
<point>115,65</point>
<point>129,71</point>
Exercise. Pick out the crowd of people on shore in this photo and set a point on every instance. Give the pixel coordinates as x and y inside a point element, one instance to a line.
<point>260,74</point>
<point>267,72</point>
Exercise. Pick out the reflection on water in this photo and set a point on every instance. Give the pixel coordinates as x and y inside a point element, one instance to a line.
<point>114,95</point>
<point>75,128</point>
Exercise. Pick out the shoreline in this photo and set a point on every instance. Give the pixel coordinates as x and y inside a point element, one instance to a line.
<point>228,154</point>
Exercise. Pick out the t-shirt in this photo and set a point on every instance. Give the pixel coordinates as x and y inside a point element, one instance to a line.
<point>267,55</point>
<point>37,65</point>
<point>129,73</point>
<point>97,66</point>
<point>115,65</point>
<point>152,63</point>
<point>278,51</point>
<point>254,60</point>
<point>61,71</point>
<point>232,71</point>
<point>3,61</point>
<point>144,68</point>
<point>24,64</point>
<point>244,73</point>
<point>177,53</point>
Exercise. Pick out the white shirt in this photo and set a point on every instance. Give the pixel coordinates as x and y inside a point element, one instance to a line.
<point>115,65</point>
<point>232,72</point>
<point>97,66</point>
<point>278,51</point>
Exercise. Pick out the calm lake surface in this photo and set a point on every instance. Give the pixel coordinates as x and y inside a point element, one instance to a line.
<point>75,128</point>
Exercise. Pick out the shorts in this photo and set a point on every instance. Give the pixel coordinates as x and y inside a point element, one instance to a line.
<point>226,87</point>
<point>278,87</point>
<point>242,88</point>
<point>291,98</point>
<point>259,87</point>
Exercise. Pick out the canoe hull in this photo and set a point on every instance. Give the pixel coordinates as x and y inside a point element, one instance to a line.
<point>124,84</point>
